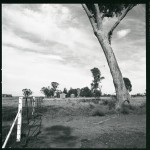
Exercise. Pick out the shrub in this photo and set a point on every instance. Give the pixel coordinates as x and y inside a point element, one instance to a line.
<point>143,105</point>
<point>135,109</point>
<point>111,104</point>
<point>124,109</point>
<point>132,107</point>
<point>105,102</point>
<point>142,108</point>
<point>91,106</point>
<point>111,111</point>
<point>99,111</point>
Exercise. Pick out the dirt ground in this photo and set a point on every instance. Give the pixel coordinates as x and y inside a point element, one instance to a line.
<point>70,125</point>
<point>122,131</point>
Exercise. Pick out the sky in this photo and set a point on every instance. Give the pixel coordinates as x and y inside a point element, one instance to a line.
<point>44,43</point>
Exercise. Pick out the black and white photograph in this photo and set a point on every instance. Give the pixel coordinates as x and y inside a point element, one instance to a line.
<point>73,75</point>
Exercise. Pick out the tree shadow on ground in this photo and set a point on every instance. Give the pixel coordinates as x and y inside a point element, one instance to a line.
<point>61,135</point>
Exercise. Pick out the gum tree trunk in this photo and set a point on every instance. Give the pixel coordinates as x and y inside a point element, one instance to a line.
<point>96,19</point>
<point>121,91</point>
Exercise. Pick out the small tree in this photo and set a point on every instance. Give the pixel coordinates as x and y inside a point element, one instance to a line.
<point>97,93</point>
<point>128,84</point>
<point>27,93</point>
<point>65,91</point>
<point>97,79</point>
<point>54,87</point>
<point>58,92</point>
<point>72,91</point>
<point>47,91</point>
<point>86,92</point>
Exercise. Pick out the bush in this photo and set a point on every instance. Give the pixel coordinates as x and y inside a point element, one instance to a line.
<point>124,110</point>
<point>91,106</point>
<point>131,107</point>
<point>111,103</point>
<point>111,111</point>
<point>97,93</point>
<point>99,111</point>
<point>134,109</point>
<point>105,102</point>
<point>142,108</point>
<point>143,105</point>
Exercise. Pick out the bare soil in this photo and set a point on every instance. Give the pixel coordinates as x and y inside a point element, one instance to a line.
<point>123,131</point>
<point>70,125</point>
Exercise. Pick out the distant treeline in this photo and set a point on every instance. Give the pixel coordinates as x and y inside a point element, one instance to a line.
<point>138,94</point>
<point>133,95</point>
<point>6,95</point>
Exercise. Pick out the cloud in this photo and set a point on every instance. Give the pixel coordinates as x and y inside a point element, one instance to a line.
<point>123,33</point>
<point>42,43</point>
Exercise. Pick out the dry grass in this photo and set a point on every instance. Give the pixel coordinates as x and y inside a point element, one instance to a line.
<point>134,109</point>
<point>99,111</point>
<point>85,113</point>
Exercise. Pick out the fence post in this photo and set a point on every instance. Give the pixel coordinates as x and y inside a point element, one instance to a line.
<point>33,105</point>
<point>19,122</point>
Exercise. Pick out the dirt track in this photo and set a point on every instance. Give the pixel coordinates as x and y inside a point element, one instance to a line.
<point>124,131</point>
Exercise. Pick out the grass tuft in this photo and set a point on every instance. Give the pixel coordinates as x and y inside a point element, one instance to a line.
<point>99,111</point>
<point>134,109</point>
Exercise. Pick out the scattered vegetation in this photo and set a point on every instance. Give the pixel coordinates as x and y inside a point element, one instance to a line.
<point>125,109</point>
<point>133,109</point>
<point>99,111</point>
<point>111,103</point>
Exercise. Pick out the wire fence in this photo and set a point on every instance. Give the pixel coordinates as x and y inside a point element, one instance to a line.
<point>31,121</point>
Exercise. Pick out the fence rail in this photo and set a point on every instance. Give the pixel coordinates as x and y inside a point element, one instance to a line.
<point>6,140</point>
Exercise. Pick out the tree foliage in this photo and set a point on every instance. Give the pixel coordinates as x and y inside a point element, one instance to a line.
<point>54,85</point>
<point>72,91</point>
<point>86,92</point>
<point>27,92</point>
<point>97,12</point>
<point>50,91</point>
<point>97,93</point>
<point>128,84</point>
<point>97,79</point>
<point>65,91</point>
<point>108,9</point>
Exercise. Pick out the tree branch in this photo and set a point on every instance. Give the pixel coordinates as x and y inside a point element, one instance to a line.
<point>118,21</point>
<point>91,18</point>
<point>98,17</point>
